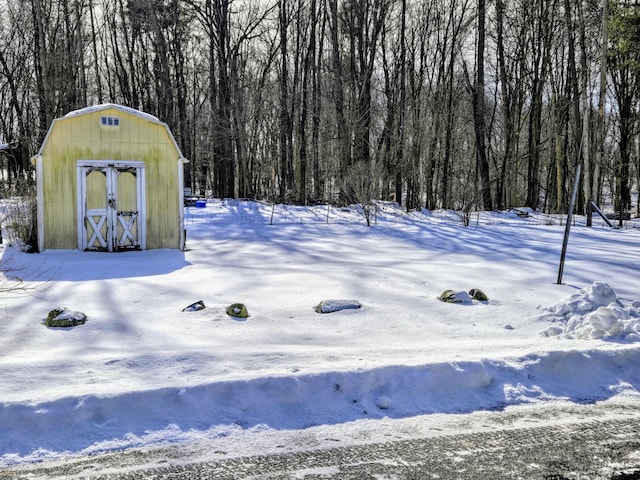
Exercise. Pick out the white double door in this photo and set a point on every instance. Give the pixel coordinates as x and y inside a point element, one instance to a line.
<point>111,207</point>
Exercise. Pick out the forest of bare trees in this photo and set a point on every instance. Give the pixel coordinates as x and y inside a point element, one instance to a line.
<point>463,104</point>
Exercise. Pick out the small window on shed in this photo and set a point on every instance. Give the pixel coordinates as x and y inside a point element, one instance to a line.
<point>110,121</point>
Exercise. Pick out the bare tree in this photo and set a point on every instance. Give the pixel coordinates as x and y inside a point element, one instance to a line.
<point>624,59</point>
<point>479,111</point>
<point>279,98</point>
<point>540,15</point>
<point>14,94</point>
<point>286,123</point>
<point>362,187</point>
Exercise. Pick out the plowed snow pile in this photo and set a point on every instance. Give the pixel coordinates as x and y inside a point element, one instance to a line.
<point>592,313</point>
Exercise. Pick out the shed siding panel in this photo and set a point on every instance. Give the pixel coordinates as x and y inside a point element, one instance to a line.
<point>125,135</point>
<point>162,227</point>
<point>60,207</point>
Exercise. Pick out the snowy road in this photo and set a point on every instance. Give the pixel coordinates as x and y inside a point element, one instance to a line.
<point>550,441</point>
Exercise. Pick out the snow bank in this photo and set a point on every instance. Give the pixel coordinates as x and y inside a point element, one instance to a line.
<point>93,424</point>
<point>594,312</point>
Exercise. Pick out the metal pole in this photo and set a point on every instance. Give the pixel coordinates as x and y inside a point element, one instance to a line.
<point>568,226</point>
<point>593,206</point>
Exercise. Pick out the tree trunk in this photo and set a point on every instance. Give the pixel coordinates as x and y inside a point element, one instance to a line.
<point>541,45</point>
<point>316,99</point>
<point>503,197</point>
<point>39,59</point>
<point>479,111</point>
<point>342,137</point>
<point>286,166</point>
<point>94,46</point>
<point>574,140</point>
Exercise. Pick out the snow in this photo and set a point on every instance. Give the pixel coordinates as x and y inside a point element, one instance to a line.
<point>142,372</point>
<point>594,312</point>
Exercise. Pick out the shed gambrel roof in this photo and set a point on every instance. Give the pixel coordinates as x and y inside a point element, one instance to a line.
<point>112,106</point>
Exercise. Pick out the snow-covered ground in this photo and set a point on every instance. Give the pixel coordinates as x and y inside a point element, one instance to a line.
<point>143,372</point>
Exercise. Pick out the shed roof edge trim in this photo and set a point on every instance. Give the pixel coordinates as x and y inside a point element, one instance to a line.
<point>105,106</point>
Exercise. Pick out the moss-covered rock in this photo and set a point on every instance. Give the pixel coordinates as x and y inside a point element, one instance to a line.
<point>447,296</point>
<point>63,317</point>
<point>478,295</point>
<point>451,296</point>
<point>237,310</point>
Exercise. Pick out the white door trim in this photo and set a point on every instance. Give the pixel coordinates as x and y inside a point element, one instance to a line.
<point>110,169</point>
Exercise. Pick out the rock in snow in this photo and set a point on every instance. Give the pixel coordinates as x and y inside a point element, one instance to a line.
<point>237,310</point>
<point>194,307</point>
<point>478,295</point>
<point>330,306</point>
<point>451,296</point>
<point>63,317</point>
<point>591,313</point>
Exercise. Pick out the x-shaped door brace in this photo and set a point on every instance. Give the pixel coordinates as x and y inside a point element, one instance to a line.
<point>97,227</point>
<point>127,225</point>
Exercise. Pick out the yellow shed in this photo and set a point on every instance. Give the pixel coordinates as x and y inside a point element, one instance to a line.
<point>109,178</point>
